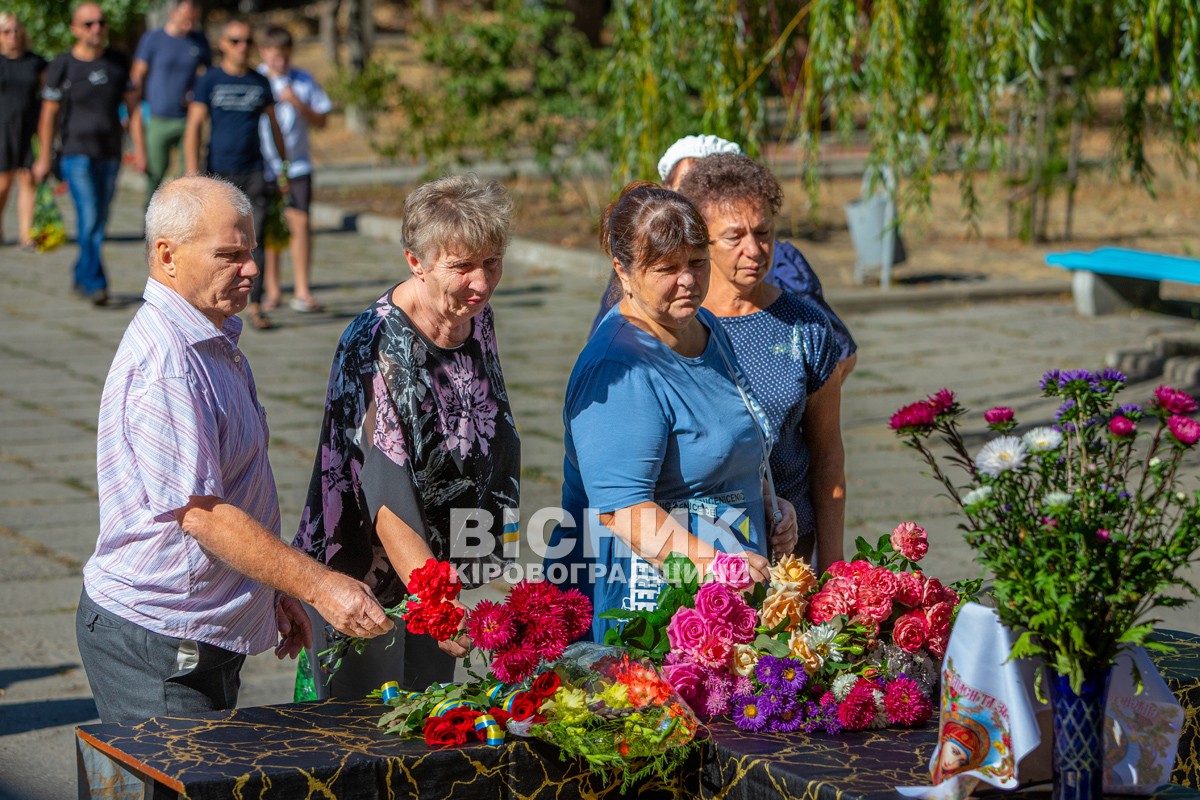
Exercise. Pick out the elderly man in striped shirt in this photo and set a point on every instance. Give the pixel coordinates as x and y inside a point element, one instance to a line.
<point>189,573</point>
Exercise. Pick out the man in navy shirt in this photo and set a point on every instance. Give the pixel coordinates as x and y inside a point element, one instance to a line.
<point>232,97</point>
<point>164,70</point>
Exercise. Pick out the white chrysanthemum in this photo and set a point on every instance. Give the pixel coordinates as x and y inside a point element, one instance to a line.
<point>881,720</point>
<point>842,685</point>
<point>1057,499</point>
<point>820,636</point>
<point>1043,439</point>
<point>977,496</point>
<point>821,640</point>
<point>1000,455</point>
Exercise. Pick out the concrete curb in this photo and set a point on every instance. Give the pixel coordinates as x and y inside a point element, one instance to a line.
<point>530,252</point>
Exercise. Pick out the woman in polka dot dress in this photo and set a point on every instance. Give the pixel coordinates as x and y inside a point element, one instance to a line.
<point>783,342</point>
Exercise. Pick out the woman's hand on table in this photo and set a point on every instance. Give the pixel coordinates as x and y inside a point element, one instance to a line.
<point>786,532</point>
<point>350,607</point>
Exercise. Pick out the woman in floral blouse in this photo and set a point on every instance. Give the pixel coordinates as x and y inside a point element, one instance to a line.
<point>418,455</point>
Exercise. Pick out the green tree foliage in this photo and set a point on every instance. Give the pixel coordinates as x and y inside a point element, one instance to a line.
<point>48,22</point>
<point>680,68</point>
<point>510,81</point>
<point>1003,86</point>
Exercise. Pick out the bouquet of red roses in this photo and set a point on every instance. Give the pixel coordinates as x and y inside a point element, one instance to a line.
<point>429,608</point>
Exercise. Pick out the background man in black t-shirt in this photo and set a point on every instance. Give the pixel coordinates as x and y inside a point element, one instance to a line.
<point>81,101</point>
<point>232,97</point>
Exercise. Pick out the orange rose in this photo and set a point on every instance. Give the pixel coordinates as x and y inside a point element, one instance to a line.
<point>783,603</point>
<point>790,569</point>
<point>798,648</point>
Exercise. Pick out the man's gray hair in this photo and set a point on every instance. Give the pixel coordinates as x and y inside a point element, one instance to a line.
<point>178,207</point>
<point>458,211</point>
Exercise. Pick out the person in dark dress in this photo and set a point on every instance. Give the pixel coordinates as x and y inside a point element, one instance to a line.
<point>20,100</point>
<point>419,456</point>
<point>81,103</point>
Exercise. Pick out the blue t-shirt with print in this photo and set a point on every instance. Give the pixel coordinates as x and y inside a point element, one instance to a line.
<point>172,61</point>
<point>234,105</point>
<point>788,351</point>
<point>644,423</point>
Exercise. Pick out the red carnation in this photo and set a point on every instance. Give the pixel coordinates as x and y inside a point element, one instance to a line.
<point>546,684</point>
<point>442,621</point>
<point>491,625</point>
<point>436,582</point>
<point>904,703</point>
<point>501,716</point>
<point>857,711</point>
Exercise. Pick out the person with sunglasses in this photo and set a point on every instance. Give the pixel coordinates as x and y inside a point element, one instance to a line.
<point>81,103</point>
<point>232,98</point>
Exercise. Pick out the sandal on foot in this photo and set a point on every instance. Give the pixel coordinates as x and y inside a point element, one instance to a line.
<point>271,303</point>
<point>259,321</point>
<point>305,305</point>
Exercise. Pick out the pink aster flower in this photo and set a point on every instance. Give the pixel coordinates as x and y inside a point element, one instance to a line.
<point>914,418</point>
<point>1103,534</point>
<point>491,625</point>
<point>857,711</point>
<point>1174,401</point>
<point>1185,430</point>
<point>941,401</point>
<point>999,415</point>
<point>1122,426</point>
<point>904,703</point>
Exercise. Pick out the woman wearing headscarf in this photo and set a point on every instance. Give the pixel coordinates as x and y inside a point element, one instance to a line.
<point>666,448</point>
<point>419,456</point>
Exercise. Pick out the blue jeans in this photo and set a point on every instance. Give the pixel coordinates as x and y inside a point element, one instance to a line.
<point>92,182</point>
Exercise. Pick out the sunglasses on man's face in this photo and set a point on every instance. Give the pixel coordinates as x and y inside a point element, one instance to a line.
<point>93,23</point>
<point>239,42</point>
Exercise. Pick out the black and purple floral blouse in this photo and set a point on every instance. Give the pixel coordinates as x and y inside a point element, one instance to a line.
<point>425,431</point>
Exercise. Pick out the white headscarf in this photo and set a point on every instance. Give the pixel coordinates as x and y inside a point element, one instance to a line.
<point>695,147</point>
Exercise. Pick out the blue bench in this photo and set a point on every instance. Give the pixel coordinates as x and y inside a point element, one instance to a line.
<point>1113,278</point>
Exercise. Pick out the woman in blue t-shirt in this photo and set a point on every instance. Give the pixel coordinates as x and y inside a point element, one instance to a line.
<point>665,446</point>
<point>783,341</point>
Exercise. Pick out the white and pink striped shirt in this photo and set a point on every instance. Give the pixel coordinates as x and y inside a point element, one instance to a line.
<point>180,417</point>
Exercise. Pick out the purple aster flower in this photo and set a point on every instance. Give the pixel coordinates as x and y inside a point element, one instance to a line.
<point>788,717</point>
<point>767,670</point>
<point>1064,410</point>
<point>1050,382</point>
<point>1131,410</point>
<point>751,712</point>
<point>791,677</point>
<point>1110,375</point>
<point>1076,376</point>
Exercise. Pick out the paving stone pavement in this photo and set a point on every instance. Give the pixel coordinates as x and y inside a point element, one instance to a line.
<point>55,352</point>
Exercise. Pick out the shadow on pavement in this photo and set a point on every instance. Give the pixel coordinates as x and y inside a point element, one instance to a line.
<point>17,674</point>
<point>38,714</point>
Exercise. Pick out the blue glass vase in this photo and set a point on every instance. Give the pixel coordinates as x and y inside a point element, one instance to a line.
<point>1079,736</point>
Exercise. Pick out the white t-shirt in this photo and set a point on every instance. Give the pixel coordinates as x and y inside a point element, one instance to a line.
<point>294,126</point>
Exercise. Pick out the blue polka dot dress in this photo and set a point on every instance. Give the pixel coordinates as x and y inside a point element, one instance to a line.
<point>787,351</point>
